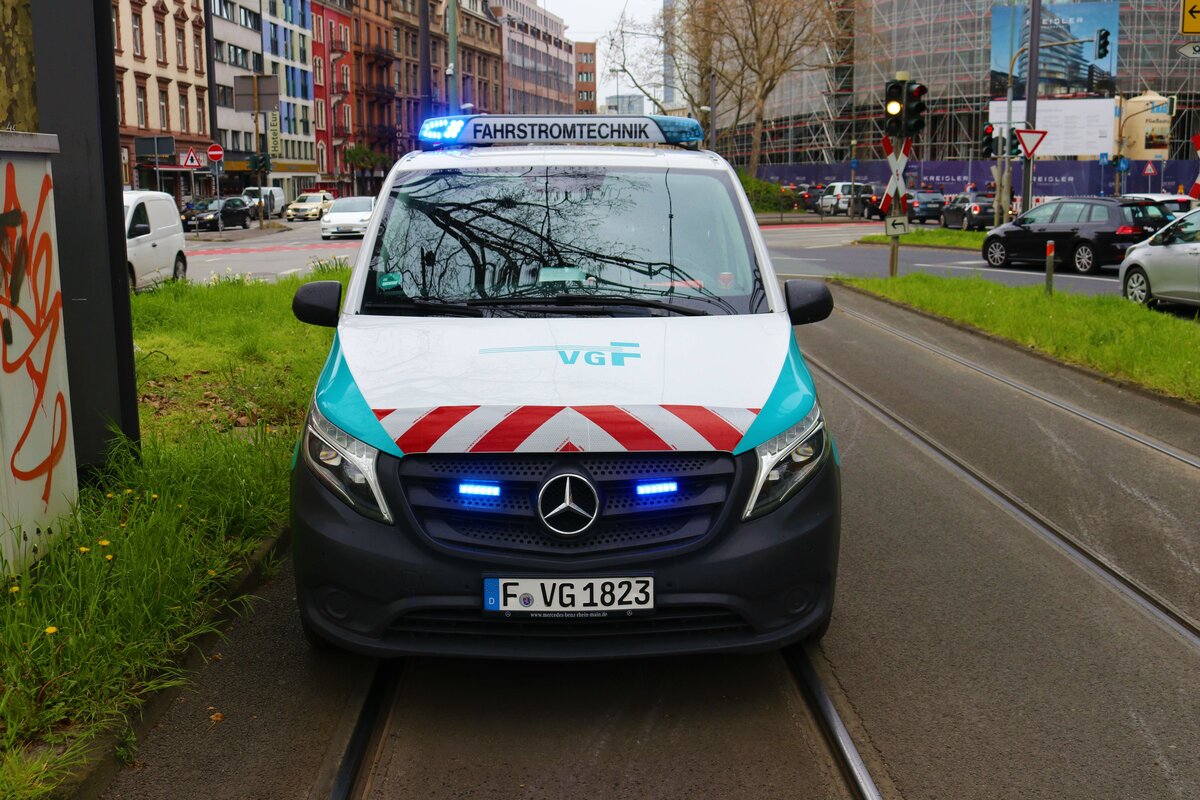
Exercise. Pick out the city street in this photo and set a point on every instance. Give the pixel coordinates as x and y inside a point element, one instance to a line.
<point>813,249</point>
<point>977,649</point>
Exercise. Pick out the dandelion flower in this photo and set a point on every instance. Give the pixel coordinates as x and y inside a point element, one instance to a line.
<point>179,505</point>
<point>85,549</point>
<point>103,542</point>
<point>122,524</point>
<point>153,497</point>
<point>51,630</point>
<point>109,495</point>
<point>129,491</point>
<point>108,557</point>
<point>14,589</point>
<point>212,572</point>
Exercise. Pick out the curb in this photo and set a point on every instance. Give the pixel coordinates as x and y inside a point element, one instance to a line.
<point>925,246</point>
<point>100,765</point>
<point>1122,383</point>
<point>251,233</point>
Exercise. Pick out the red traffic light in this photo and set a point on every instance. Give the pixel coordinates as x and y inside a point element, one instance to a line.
<point>917,90</point>
<point>989,130</point>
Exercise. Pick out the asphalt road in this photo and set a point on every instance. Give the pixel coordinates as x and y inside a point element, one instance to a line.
<point>808,249</point>
<point>970,657</point>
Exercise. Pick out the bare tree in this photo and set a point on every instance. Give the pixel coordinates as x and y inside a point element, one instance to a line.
<point>768,39</point>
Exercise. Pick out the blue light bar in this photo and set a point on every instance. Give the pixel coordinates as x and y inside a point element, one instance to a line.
<point>489,129</point>
<point>659,487</point>
<point>479,489</point>
<point>442,129</point>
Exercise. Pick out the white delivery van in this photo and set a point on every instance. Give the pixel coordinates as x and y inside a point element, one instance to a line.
<point>154,241</point>
<point>274,197</point>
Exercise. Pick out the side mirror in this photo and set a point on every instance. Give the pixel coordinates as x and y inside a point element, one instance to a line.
<point>139,229</point>
<point>317,303</point>
<point>807,301</point>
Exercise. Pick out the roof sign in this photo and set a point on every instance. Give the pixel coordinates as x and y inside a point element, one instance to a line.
<point>488,129</point>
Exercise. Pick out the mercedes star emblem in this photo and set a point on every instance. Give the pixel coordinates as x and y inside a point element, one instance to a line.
<point>568,504</point>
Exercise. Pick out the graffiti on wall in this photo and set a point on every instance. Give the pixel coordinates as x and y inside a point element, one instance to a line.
<point>30,331</point>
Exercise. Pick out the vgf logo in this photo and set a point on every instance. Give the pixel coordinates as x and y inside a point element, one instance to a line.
<point>615,354</point>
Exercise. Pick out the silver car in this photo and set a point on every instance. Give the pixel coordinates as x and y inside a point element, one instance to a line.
<point>1165,267</point>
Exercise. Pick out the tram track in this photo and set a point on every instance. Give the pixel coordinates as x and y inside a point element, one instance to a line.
<point>1111,426</point>
<point>1145,598</point>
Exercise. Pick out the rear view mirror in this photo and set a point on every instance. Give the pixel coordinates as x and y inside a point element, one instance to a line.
<point>139,229</point>
<point>807,301</point>
<point>317,303</point>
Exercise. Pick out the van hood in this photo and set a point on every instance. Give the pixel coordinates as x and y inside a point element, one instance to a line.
<point>452,385</point>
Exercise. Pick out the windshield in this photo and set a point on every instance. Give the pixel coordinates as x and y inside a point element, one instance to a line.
<point>348,204</point>
<point>309,198</point>
<point>250,193</point>
<point>929,197</point>
<point>544,232</point>
<point>207,204</point>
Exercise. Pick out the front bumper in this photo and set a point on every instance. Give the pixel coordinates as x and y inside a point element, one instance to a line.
<point>304,213</point>
<point>386,590</point>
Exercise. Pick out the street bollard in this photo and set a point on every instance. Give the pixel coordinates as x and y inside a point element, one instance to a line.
<point>1050,267</point>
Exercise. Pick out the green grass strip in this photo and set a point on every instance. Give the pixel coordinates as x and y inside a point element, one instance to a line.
<point>105,614</point>
<point>932,237</point>
<point>1150,348</point>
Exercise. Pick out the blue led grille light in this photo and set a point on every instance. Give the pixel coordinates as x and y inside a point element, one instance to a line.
<point>659,487</point>
<point>479,489</point>
<point>679,130</point>
<point>511,129</point>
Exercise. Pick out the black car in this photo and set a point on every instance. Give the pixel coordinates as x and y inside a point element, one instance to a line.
<point>203,214</point>
<point>970,211</point>
<point>1088,232</point>
<point>868,204</point>
<point>810,196</point>
<point>925,206</point>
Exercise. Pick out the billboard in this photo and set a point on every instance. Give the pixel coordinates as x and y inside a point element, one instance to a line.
<point>1064,70</point>
<point>1076,127</point>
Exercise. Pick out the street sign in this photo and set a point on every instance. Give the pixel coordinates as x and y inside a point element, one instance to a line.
<point>854,163</point>
<point>1149,169</point>
<point>190,159</point>
<point>1030,141</point>
<point>1189,50</point>
<point>215,152</point>
<point>896,162</point>
<point>1103,158</point>
<point>895,226</point>
<point>1189,17</point>
<point>1123,164</point>
<point>274,140</point>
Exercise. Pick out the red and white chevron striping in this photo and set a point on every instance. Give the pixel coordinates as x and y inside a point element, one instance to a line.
<point>543,429</point>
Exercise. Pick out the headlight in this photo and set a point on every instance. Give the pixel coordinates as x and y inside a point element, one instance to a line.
<point>344,464</point>
<point>207,216</point>
<point>786,461</point>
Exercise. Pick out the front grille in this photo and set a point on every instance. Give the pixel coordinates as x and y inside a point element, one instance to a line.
<point>628,523</point>
<point>683,621</point>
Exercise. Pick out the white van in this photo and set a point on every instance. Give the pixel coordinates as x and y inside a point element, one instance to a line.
<point>154,241</point>
<point>274,196</point>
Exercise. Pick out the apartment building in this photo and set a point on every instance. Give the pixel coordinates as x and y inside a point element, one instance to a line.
<point>333,92</point>
<point>159,48</point>
<point>287,54</point>
<point>585,77</point>
<point>236,51</point>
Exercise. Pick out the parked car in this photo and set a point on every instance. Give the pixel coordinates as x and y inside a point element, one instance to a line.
<point>1088,232</point>
<point>1165,267</point>
<point>348,216</point>
<point>211,213</point>
<point>1174,204</point>
<point>274,196</point>
<point>925,206</point>
<point>154,243</point>
<point>311,205</point>
<point>970,211</point>
<point>836,197</point>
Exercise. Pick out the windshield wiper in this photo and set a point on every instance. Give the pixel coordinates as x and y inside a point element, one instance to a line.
<point>403,306</point>
<point>570,300</point>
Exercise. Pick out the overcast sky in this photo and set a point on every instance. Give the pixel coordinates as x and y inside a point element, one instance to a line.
<point>588,20</point>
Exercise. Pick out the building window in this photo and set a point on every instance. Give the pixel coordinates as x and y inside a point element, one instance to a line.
<point>321,157</point>
<point>224,96</point>
<point>223,9</point>
<point>141,106</point>
<point>180,49</point>
<point>160,42</point>
<point>164,114</point>
<point>120,102</point>
<point>321,114</point>
<point>185,114</point>
<point>249,19</point>
<point>319,71</point>
<point>116,22</point>
<point>197,52</point>
<point>137,35</point>
<point>200,115</point>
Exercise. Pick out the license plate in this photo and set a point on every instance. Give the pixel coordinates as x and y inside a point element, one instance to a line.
<point>344,230</point>
<point>568,598</point>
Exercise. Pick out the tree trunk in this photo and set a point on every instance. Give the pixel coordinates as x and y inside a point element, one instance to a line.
<point>760,106</point>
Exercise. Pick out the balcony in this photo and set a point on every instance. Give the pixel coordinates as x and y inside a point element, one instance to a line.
<point>377,91</point>
<point>338,48</point>
<point>376,52</point>
<point>341,131</point>
<point>339,89</point>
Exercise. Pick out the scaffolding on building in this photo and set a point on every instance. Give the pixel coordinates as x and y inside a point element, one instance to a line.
<point>945,44</point>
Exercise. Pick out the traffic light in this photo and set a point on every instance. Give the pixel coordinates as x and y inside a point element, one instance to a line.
<point>252,163</point>
<point>1014,144</point>
<point>893,108</point>
<point>264,162</point>
<point>914,107</point>
<point>987,142</point>
<point>1101,43</point>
